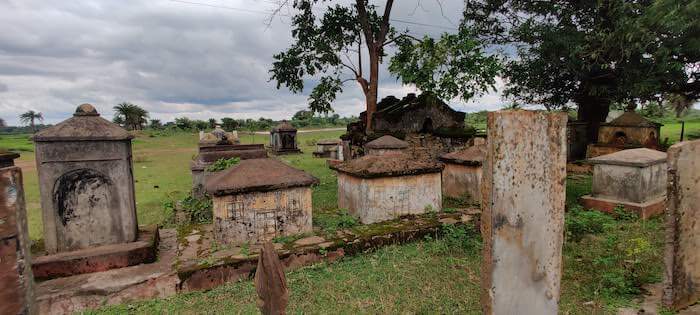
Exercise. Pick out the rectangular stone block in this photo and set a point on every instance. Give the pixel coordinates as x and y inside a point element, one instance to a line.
<point>523,212</point>
<point>682,281</point>
<point>16,280</point>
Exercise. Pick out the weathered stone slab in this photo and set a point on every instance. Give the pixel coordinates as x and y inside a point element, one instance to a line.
<point>101,258</point>
<point>683,226</point>
<point>16,280</point>
<point>523,212</point>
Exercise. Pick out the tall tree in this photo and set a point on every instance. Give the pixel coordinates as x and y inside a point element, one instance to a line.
<point>593,53</point>
<point>212,123</point>
<point>30,117</point>
<point>2,123</point>
<point>330,47</point>
<point>133,117</point>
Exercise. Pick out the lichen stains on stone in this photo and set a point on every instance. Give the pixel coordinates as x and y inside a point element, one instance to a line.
<point>76,186</point>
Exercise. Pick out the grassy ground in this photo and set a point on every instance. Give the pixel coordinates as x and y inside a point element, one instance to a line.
<point>606,259</point>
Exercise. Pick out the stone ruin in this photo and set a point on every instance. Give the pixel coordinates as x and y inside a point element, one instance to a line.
<point>385,145</point>
<point>629,131</point>
<point>425,122</point>
<point>218,136</point>
<point>16,279</point>
<point>86,182</point>
<point>215,146</point>
<point>634,179</point>
<point>682,257</point>
<point>462,175</point>
<point>377,188</point>
<point>283,139</point>
<point>260,199</point>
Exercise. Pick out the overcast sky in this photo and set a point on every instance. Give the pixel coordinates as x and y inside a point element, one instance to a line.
<point>199,58</point>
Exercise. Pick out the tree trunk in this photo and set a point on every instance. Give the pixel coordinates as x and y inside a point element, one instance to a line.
<point>594,111</point>
<point>371,95</point>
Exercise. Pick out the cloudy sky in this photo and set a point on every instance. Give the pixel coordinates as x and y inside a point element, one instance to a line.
<point>199,58</point>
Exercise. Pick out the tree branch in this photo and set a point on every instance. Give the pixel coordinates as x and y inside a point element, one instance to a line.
<point>364,22</point>
<point>399,36</point>
<point>384,29</point>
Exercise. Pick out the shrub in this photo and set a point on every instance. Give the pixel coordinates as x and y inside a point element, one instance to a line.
<point>580,222</point>
<point>223,164</point>
<point>331,223</point>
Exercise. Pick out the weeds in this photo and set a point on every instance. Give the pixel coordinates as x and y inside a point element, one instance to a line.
<point>332,222</point>
<point>223,164</point>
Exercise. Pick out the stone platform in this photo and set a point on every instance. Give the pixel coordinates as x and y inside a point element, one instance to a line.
<point>193,261</point>
<point>644,210</point>
<point>102,258</point>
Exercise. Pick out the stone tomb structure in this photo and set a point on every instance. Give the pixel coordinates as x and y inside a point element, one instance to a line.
<point>326,147</point>
<point>219,145</point>
<point>86,183</point>
<point>462,175</point>
<point>629,131</point>
<point>283,139</point>
<point>385,145</point>
<point>682,257</point>
<point>260,199</point>
<point>635,179</point>
<point>378,188</point>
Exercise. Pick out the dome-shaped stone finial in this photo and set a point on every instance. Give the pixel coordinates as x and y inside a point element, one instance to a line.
<point>86,110</point>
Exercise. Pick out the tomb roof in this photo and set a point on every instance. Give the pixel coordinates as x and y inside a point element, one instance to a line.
<point>7,158</point>
<point>257,175</point>
<point>387,142</point>
<point>284,126</point>
<point>388,165</point>
<point>474,155</point>
<point>641,157</point>
<point>85,125</point>
<point>631,119</point>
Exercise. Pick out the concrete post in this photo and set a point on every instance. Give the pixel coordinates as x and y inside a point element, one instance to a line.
<point>523,198</point>
<point>16,280</point>
<point>682,281</point>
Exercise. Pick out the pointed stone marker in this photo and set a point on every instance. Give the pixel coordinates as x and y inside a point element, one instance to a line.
<point>270,282</point>
<point>523,201</point>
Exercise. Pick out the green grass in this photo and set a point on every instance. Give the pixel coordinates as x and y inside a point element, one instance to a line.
<point>672,131</point>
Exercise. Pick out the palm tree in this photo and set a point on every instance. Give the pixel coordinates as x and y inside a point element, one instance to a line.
<point>30,117</point>
<point>133,117</point>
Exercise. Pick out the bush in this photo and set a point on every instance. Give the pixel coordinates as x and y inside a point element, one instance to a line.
<point>223,164</point>
<point>331,223</point>
<point>580,222</point>
<point>196,210</point>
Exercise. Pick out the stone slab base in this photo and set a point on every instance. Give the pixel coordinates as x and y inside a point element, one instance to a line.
<point>73,294</point>
<point>644,210</point>
<point>102,258</point>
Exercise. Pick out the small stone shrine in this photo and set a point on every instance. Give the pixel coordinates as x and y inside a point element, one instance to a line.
<point>635,179</point>
<point>629,131</point>
<point>379,188</point>
<point>260,199</point>
<point>86,183</point>
<point>283,139</point>
<point>462,175</point>
<point>325,147</point>
<point>385,145</point>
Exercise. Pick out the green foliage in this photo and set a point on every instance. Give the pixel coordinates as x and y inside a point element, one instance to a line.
<point>580,222</point>
<point>223,164</point>
<point>460,239</point>
<point>229,124</point>
<point>454,65</point>
<point>332,222</point>
<point>30,117</point>
<point>198,210</point>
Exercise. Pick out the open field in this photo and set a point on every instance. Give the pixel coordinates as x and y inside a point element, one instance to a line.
<point>606,259</point>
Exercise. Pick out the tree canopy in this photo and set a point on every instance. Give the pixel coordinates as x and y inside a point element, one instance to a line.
<point>329,47</point>
<point>593,53</point>
<point>131,116</point>
<point>30,117</point>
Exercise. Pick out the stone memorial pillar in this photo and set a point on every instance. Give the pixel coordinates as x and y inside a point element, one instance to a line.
<point>16,280</point>
<point>682,282</point>
<point>523,202</point>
